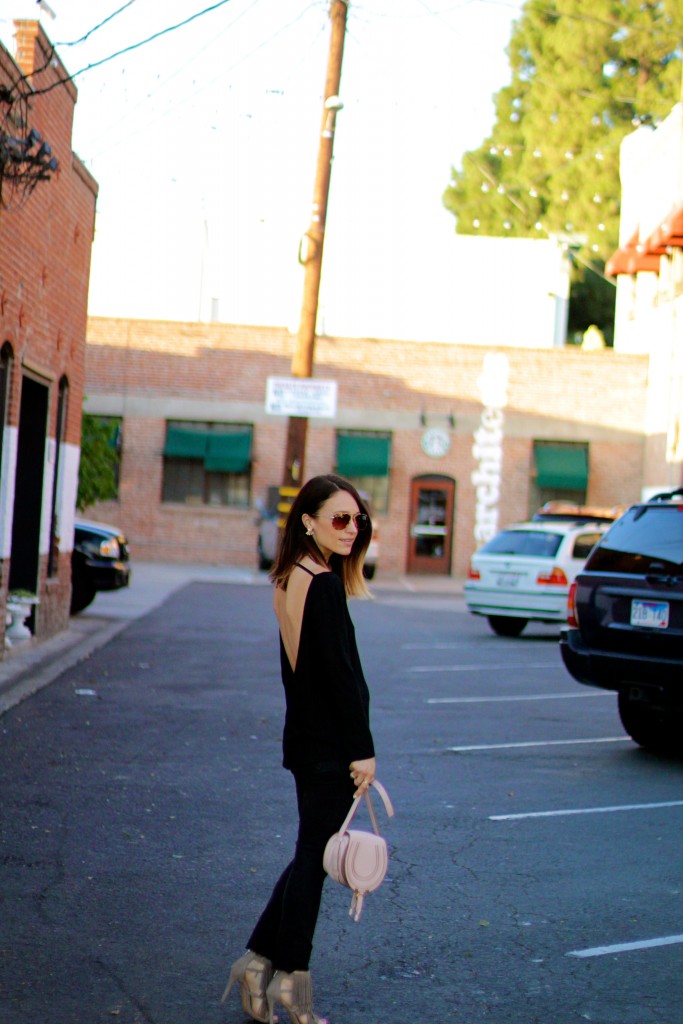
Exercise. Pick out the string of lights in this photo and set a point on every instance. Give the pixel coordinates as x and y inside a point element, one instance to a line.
<point>515,199</point>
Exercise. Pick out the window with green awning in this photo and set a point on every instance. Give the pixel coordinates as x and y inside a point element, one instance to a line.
<point>362,455</point>
<point>561,466</point>
<point>185,443</point>
<point>228,453</point>
<point>207,463</point>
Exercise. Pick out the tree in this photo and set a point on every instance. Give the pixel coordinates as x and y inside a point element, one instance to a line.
<point>98,472</point>
<point>582,77</point>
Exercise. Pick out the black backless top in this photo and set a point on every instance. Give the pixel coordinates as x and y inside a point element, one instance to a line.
<point>327,717</point>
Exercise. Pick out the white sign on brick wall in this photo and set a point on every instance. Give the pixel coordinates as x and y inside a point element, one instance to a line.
<point>301,396</point>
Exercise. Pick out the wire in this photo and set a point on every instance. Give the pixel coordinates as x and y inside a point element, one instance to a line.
<point>523,7</point>
<point>87,35</point>
<point>169,78</point>
<point>52,52</point>
<point>225,71</point>
<point>129,49</point>
<point>589,265</point>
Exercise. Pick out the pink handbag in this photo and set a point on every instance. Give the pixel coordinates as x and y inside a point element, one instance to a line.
<point>359,859</point>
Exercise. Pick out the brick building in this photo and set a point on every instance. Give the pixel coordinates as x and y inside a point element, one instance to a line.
<point>44,270</point>
<point>450,441</point>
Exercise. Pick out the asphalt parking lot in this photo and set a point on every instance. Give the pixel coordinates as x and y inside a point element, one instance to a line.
<point>535,853</point>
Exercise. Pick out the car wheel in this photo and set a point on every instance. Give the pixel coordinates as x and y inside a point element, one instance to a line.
<point>654,728</point>
<point>369,572</point>
<point>82,594</point>
<point>506,625</point>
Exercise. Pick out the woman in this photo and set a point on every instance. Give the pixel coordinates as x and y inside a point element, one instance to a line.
<point>327,743</point>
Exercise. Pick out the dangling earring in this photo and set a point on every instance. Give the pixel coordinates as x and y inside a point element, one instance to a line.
<point>309,533</point>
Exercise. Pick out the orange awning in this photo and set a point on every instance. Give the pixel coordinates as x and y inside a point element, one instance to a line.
<point>669,233</point>
<point>632,258</point>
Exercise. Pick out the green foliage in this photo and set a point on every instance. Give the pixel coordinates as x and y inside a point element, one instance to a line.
<point>99,466</point>
<point>583,75</point>
<point>591,301</point>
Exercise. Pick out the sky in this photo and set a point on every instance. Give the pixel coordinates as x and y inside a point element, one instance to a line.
<point>204,144</point>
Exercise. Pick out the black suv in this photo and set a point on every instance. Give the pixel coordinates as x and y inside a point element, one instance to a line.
<point>626,621</point>
<point>99,561</point>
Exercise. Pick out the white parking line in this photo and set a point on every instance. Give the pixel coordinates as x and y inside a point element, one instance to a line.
<point>481,668</point>
<point>585,810</point>
<point>433,647</point>
<point>625,947</point>
<point>538,743</point>
<point>497,700</point>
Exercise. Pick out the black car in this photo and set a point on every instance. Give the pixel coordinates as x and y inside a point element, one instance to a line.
<point>626,621</point>
<point>100,561</point>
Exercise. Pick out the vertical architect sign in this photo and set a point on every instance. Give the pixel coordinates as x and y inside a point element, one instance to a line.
<point>488,445</point>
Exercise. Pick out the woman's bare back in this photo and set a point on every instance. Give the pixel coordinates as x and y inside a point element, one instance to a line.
<point>289,606</point>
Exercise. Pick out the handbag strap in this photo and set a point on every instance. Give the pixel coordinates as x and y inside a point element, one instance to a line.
<point>388,807</point>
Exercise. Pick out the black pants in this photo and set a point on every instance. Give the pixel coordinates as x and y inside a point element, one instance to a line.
<point>284,932</point>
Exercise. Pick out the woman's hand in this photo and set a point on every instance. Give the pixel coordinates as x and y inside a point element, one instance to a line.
<point>363,774</point>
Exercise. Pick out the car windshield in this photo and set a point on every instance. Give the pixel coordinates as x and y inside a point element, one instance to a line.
<point>535,543</point>
<point>647,538</point>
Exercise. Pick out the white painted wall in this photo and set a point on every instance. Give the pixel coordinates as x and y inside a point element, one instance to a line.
<point>46,509</point>
<point>67,489</point>
<point>7,479</point>
<point>649,308</point>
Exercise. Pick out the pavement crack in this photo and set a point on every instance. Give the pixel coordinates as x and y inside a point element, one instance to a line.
<point>145,1015</point>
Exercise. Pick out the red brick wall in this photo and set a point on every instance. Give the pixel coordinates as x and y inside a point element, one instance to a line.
<point>555,394</point>
<point>44,272</point>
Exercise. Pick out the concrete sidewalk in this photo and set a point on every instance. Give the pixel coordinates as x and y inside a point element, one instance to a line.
<point>29,666</point>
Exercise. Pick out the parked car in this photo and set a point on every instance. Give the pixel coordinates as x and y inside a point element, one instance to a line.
<point>267,538</point>
<point>625,621</point>
<point>558,511</point>
<point>99,561</point>
<point>372,554</point>
<point>523,573</point>
<point>268,534</point>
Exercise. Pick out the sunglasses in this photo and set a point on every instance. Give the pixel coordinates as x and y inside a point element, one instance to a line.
<point>340,520</point>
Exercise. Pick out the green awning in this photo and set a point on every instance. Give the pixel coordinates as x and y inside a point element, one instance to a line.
<point>563,467</point>
<point>221,453</point>
<point>185,444</point>
<point>228,453</point>
<point>360,455</point>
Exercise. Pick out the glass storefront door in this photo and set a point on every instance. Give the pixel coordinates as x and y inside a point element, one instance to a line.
<point>430,543</point>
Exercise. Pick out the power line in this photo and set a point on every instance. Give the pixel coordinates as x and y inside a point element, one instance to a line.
<point>192,94</point>
<point>87,35</point>
<point>176,71</point>
<point>133,46</point>
<point>53,46</point>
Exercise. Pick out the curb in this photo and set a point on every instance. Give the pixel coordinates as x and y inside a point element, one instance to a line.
<point>28,671</point>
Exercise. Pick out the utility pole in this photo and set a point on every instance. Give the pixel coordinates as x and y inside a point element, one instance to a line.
<point>311,249</point>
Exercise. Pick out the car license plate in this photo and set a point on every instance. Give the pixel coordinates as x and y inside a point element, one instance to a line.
<point>507,579</point>
<point>653,614</point>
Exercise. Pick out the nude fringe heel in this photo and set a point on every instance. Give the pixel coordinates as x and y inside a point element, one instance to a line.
<point>295,992</point>
<point>253,974</point>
